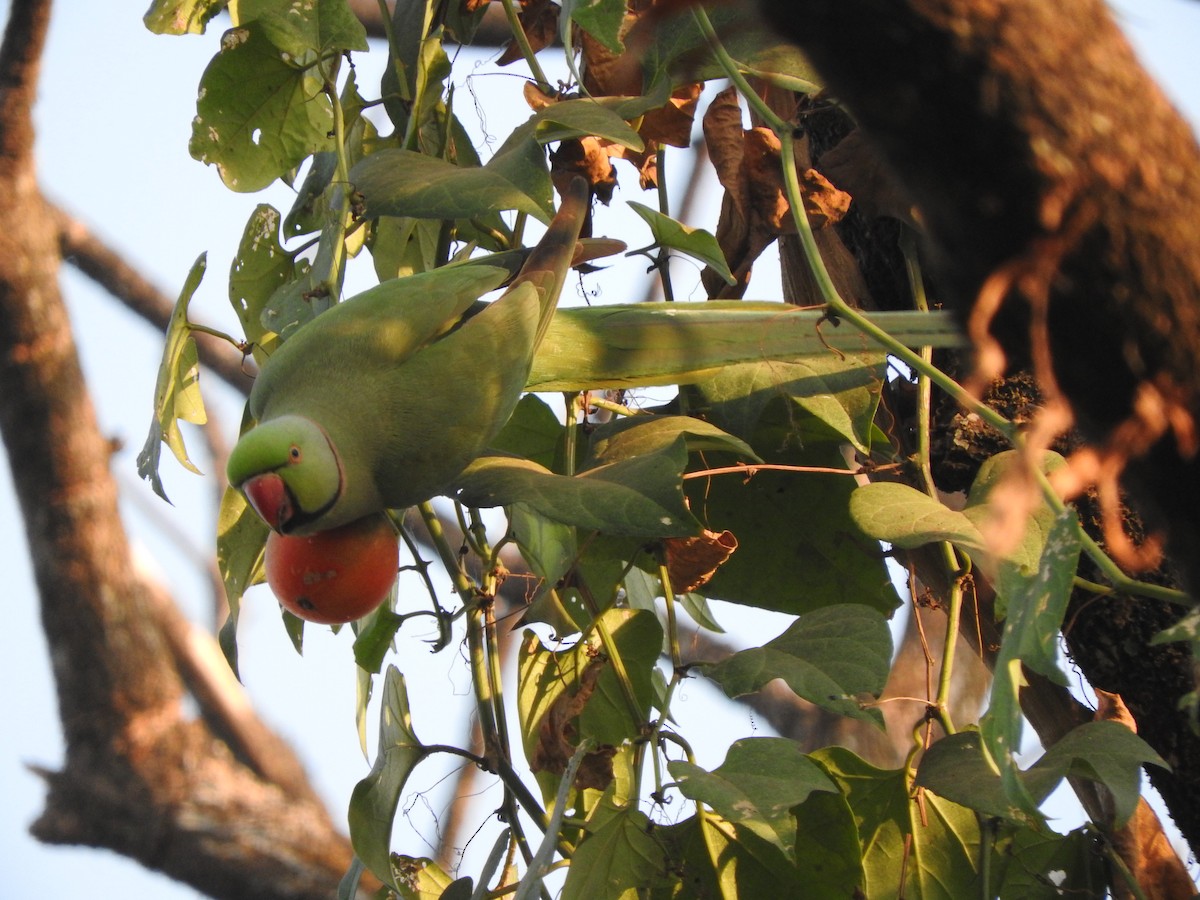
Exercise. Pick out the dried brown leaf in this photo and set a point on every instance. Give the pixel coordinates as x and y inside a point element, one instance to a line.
<point>856,167</point>
<point>558,736</point>
<point>692,561</point>
<point>722,125</point>
<point>539,21</point>
<point>608,74</point>
<point>587,157</point>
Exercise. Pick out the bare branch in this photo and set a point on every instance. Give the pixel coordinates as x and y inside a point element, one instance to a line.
<point>82,248</point>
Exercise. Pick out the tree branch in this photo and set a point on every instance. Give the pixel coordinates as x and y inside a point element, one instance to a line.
<point>83,249</point>
<point>138,778</point>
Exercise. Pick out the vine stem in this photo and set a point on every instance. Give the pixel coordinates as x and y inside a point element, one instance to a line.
<point>331,278</point>
<point>950,556</point>
<point>535,68</point>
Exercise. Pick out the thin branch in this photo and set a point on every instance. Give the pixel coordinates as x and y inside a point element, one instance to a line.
<point>105,265</point>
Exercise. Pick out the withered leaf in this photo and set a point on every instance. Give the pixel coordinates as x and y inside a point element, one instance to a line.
<point>692,561</point>
<point>558,736</point>
<point>539,21</point>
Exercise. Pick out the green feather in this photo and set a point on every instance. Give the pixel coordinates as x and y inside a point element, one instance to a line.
<point>409,381</point>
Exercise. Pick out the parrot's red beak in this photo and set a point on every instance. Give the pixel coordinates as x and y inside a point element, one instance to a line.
<point>271,500</point>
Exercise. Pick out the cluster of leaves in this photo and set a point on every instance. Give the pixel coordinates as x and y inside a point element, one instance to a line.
<point>602,515</point>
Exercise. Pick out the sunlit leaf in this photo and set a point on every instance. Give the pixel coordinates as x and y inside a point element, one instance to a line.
<point>259,269</point>
<point>757,787</point>
<point>602,19</point>
<point>241,540</point>
<point>907,518</point>
<point>177,391</point>
<point>640,496</point>
<point>568,695</point>
<point>644,344</point>
<point>257,115</point>
<point>305,30</point>
<point>420,878</point>
<point>398,182</point>
<point>835,396</point>
<point>679,52</point>
<point>1035,611</point>
<point>374,799</point>
<point>836,657</point>
<point>922,849</point>
<point>580,118</point>
<point>618,859</point>
<point>632,436</point>
<point>181,16</point>
<point>798,549</point>
<point>694,242</point>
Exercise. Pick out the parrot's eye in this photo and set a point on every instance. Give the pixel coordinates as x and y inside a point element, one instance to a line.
<point>294,453</point>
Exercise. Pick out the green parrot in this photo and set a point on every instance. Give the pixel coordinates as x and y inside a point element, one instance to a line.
<point>381,401</point>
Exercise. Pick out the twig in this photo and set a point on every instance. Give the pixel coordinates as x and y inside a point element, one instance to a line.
<point>112,271</point>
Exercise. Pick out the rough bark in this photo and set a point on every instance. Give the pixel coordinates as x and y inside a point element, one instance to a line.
<point>232,816</point>
<point>1049,169</point>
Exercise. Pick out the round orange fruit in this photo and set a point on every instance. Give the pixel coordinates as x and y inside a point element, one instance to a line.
<point>334,576</point>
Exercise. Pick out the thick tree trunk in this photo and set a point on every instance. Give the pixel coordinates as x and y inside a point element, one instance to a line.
<point>1051,172</point>
<point>232,815</point>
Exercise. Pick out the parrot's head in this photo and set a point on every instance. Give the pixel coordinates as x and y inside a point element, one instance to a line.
<point>289,470</point>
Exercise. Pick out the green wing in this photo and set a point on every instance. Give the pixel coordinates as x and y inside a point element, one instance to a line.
<point>367,336</point>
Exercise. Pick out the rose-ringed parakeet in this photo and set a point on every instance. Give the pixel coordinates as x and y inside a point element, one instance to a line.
<point>381,401</point>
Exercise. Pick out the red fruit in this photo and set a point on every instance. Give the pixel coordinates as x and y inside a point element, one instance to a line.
<point>334,576</point>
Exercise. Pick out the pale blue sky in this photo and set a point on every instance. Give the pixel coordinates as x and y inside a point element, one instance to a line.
<point>114,118</point>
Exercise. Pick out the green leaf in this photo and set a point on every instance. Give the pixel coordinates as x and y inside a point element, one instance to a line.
<point>757,787</point>
<point>645,344</point>
<point>259,269</point>
<point>713,859</point>
<point>404,246</point>
<point>957,768</point>
<point>177,391</point>
<point>830,397</point>
<point>1022,859</point>
<point>257,115</point>
<point>581,118</point>
<point>798,549</point>
<point>374,799</point>
<point>632,436</point>
<point>421,878</point>
<point>532,431</point>
<point>521,162</point>
<point>602,19</point>
<point>1105,752</point>
<point>397,182</point>
<point>241,540</point>
<point>181,16</point>
<point>375,638</point>
<point>618,858</point>
<point>1035,612</point>
<point>305,31</point>
<point>835,657</point>
<point>908,518</point>
<point>679,53</point>
<point>641,496</point>
<point>926,852</point>
<point>584,682</point>
<point>696,606</point>
<point>694,242</point>
<point>830,857</point>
